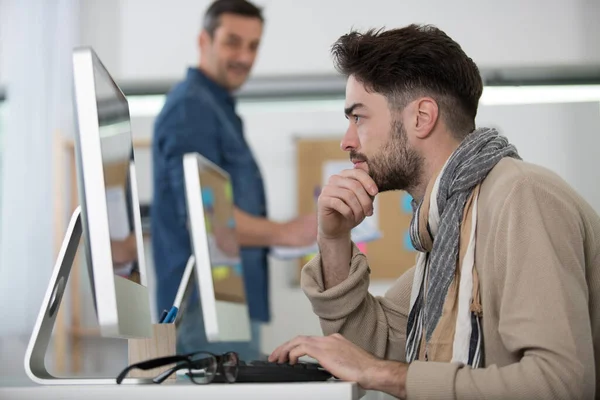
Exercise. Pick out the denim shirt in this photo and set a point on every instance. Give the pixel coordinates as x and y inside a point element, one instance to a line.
<point>199,116</point>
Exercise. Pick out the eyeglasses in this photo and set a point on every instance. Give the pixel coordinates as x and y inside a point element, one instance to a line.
<point>203,367</point>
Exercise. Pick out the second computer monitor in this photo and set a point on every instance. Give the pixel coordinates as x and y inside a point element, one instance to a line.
<point>218,262</point>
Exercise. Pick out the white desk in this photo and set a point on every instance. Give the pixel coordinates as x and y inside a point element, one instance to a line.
<point>182,391</point>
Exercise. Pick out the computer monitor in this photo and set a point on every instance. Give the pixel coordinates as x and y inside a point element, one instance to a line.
<point>219,277</point>
<point>108,198</point>
<point>108,212</point>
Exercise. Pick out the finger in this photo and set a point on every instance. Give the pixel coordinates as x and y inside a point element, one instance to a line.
<point>283,355</point>
<point>363,177</point>
<point>275,353</point>
<point>356,187</point>
<point>337,205</point>
<point>351,210</point>
<point>350,199</point>
<point>281,350</point>
<point>347,196</point>
<point>303,349</point>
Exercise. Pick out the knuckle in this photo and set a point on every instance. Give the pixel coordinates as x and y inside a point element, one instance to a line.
<point>322,200</point>
<point>303,339</point>
<point>349,196</point>
<point>355,185</point>
<point>325,201</point>
<point>324,193</point>
<point>337,203</point>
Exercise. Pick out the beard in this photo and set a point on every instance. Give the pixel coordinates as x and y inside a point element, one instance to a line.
<point>235,74</point>
<point>232,75</point>
<point>396,166</point>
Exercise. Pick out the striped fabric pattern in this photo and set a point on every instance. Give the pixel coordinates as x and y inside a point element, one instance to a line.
<point>435,232</point>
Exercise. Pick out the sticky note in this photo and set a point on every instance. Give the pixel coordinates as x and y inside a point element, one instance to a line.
<point>308,257</point>
<point>406,203</point>
<point>237,269</point>
<point>316,193</point>
<point>228,192</point>
<point>207,224</point>
<point>362,247</point>
<point>231,223</point>
<point>208,197</point>
<point>408,246</point>
<point>220,273</point>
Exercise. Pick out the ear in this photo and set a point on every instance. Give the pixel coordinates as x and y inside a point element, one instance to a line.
<point>427,114</point>
<point>204,40</point>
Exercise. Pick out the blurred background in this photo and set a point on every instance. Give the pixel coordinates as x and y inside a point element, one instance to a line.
<point>540,62</point>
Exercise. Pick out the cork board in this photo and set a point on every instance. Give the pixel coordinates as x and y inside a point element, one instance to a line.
<point>226,266</point>
<point>115,174</point>
<point>392,254</point>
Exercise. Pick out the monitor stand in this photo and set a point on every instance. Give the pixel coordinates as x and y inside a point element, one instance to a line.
<point>35,365</point>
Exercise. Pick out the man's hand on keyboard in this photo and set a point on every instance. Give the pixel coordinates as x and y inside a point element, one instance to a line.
<point>339,356</point>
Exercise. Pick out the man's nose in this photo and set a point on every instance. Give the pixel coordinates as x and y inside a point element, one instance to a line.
<point>350,139</point>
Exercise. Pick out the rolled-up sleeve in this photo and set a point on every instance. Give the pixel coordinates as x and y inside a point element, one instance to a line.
<point>377,324</point>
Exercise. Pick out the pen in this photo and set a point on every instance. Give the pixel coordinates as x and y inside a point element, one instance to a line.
<point>170,318</point>
<point>316,194</point>
<point>185,280</point>
<point>162,316</point>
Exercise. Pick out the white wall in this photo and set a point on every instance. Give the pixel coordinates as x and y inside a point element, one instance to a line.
<point>3,33</point>
<point>152,40</point>
<point>562,137</point>
<point>100,26</point>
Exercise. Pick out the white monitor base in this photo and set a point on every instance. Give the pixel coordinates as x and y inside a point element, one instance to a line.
<point>35,365</point>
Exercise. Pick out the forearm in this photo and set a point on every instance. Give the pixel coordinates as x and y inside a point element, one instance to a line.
<point>335,258</point>
<point>438,380</point>
<point>377,324</point>
<point>253,231</point>
<point>533,377</point>
<point>387,376</point>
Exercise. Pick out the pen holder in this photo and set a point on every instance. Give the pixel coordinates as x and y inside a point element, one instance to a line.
<point>161,344</point>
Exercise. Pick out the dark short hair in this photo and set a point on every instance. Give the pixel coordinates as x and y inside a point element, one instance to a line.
<point>416,60</point>
<point>212,17</point>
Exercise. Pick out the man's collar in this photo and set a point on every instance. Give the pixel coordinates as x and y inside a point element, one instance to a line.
<point>197,75</point>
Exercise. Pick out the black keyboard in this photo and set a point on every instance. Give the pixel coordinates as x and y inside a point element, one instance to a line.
<point>264,371</point>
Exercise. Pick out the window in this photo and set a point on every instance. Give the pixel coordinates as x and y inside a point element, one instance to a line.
<point>150,105</point>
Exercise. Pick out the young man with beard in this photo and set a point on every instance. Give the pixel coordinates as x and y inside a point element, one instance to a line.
<point>199,116</point>
<point>504,299</point>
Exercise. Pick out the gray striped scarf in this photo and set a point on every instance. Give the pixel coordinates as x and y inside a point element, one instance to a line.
<point>466,168</point>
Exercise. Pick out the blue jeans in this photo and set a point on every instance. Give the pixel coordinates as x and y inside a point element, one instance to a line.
<point>191,336</point>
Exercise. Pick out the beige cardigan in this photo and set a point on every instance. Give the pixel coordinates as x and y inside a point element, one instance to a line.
<point>538,259</point>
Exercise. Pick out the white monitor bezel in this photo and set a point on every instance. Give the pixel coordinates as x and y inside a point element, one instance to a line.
<point>217,329</point>
<point>124,309</point>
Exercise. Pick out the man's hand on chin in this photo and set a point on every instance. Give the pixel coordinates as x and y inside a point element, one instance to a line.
<point>347,362</point>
